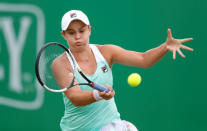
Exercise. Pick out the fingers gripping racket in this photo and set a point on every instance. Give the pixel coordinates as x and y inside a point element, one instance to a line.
<point>43,69</point>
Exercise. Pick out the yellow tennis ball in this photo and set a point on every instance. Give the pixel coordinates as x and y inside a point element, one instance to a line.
<point>134,79</point>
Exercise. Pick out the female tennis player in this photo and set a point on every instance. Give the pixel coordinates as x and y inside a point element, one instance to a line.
<point>88,109</point>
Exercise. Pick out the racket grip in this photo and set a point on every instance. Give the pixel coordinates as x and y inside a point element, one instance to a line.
<point>99,87</point>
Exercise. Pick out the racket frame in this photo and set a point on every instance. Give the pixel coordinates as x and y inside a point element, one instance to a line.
<point>75,67</point>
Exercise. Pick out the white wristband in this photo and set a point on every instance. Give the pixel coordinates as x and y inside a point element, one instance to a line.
<point>96,95</point>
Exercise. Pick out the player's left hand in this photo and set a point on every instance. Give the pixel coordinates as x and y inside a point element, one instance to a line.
<point>174,45</point>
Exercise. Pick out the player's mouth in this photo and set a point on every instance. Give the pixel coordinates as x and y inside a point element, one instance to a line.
<point>78,43</point>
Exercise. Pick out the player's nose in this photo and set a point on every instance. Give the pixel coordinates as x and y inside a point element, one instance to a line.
<point>77,36</point>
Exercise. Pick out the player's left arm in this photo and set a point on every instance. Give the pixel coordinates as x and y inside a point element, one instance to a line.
<point>148,58</point>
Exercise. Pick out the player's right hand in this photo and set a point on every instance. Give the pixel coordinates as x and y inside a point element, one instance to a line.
<point>108,95</point>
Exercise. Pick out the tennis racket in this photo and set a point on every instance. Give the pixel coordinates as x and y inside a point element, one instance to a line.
<point>43,69</point>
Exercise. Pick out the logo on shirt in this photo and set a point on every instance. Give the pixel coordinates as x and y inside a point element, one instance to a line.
<point>104,69</point>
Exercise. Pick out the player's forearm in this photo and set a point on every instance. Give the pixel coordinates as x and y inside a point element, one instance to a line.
<point>82,98</point>
<point>154,55</point>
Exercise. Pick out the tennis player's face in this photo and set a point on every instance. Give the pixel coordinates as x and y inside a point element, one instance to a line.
<point>77,34</point>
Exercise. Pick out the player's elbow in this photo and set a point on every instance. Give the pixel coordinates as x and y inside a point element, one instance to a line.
<point>147,65</point>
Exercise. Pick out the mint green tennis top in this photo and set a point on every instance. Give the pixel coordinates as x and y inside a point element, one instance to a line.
<point>93,116</point>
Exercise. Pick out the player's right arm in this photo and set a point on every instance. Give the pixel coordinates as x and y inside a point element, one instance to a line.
<point>77,96</point>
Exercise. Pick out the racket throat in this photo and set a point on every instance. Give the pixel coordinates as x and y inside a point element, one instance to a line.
<point>92,84</point>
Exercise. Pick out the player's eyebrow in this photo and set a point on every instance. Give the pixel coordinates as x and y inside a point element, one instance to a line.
<point>83,26</point>
<point>79,28</point>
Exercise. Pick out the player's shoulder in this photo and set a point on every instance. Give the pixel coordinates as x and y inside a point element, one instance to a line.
<point>109,51</point>
<point>60,61</point>
<point>106,47</point>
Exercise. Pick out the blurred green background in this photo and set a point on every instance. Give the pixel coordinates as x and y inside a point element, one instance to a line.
<point>172,95</point>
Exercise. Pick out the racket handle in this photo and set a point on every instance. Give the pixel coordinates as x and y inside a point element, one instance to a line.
<point>99,87</point>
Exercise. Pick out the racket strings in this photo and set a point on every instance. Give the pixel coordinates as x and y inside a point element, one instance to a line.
<point>50,54</point>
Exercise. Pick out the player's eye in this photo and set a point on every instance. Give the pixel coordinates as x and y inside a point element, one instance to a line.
<point>82,31</point>
<point>71,33</point>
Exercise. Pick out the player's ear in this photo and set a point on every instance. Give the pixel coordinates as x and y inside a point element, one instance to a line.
<point>63,34</point>
<point>89,28</point>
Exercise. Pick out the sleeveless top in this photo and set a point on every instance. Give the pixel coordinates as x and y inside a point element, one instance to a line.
<point>93,116</point>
